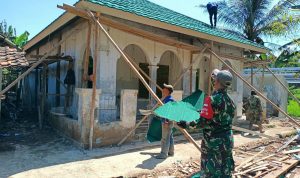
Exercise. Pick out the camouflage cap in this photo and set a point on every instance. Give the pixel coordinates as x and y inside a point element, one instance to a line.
<point>224,77</point>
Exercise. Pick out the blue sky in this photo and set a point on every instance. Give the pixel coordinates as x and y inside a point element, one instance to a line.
<point>35,15</point>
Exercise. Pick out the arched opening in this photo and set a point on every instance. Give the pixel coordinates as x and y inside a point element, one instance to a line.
<point>126,78</point>
<point>169,70</point>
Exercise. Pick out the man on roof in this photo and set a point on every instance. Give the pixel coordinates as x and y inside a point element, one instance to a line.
<point>212,9</point>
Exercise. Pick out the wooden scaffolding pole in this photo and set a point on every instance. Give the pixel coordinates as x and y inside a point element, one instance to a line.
<point>210,70</point>
<point>38,62</point>
<point>285,87</point>
<point>253,88</point>
<point>185,133</point>
<point>94,79</point>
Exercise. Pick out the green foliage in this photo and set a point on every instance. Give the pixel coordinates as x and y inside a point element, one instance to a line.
<point>21,40</point>
<point>10,33</point>
<point>293,107</point>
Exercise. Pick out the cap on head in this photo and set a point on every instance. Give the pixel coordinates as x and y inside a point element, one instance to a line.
<point>224,77</point>
<point>214,73</point>
<point>169,87</point>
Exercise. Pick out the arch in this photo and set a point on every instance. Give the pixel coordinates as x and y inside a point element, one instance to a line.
<point>125,77</point>
<point>138,46</point>
<point>170,68</point>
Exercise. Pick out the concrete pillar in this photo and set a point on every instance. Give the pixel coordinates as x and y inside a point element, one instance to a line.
<point>83,112</point>
<point>128,108</point>
<point>153,76</point>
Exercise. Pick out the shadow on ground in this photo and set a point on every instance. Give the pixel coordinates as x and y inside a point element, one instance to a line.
<point>150,163</point>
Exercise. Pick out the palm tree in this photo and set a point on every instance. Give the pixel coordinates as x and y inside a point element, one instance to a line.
<point>255,18</point>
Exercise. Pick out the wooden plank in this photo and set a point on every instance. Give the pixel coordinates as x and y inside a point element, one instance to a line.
<point>266,172</point>
<point>94,79</point>
<point>287,143</point>
<point>249,159</point>
<point>132,30</point>
<point>283,170</point>
<point>291,151</point>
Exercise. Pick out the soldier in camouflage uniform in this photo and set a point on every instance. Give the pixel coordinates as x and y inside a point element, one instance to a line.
<point>254,111</point>
<point>216,121</point>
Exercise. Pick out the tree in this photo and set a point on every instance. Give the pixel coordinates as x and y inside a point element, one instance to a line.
<point>255,18</point>
<point>290,55</point>
<point>11,34</point>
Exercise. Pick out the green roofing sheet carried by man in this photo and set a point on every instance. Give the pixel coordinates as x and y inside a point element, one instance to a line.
<point>216,120</point>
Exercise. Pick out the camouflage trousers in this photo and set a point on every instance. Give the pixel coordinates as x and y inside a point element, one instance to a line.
<point>216,156</point>
<point>253,117</point>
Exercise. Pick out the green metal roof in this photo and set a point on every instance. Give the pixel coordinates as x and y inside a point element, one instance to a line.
<point>153,11</point>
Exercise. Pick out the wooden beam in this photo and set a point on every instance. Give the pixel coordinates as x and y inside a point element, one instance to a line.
<point>185,133</point>
<point>94,79</point>
<point>37,57</point>
<point>133,30</point>
<point>283,170</point>
<point>42,59</point>
<point>210,70</point>
<point>254,89</point>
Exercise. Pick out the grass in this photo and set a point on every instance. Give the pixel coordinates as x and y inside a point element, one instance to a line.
<point>293,107</point>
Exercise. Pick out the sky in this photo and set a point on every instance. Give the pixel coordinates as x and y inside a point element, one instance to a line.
<point>35,15</point>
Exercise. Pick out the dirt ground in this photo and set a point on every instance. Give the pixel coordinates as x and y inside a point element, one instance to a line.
<point>26,151</point>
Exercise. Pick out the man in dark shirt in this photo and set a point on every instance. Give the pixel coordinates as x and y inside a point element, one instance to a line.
<point>212,9</point>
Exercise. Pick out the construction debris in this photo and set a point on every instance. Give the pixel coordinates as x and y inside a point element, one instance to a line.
<point>259,159</point>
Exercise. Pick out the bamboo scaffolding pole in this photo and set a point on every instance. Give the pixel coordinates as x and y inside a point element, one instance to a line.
<point>175,83</point>
<point>285,87</point>
<point>44,58</point>
<point>253,88</point>
<point>94,79</point>
<point>210,70</point>
<point>153,94</point>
